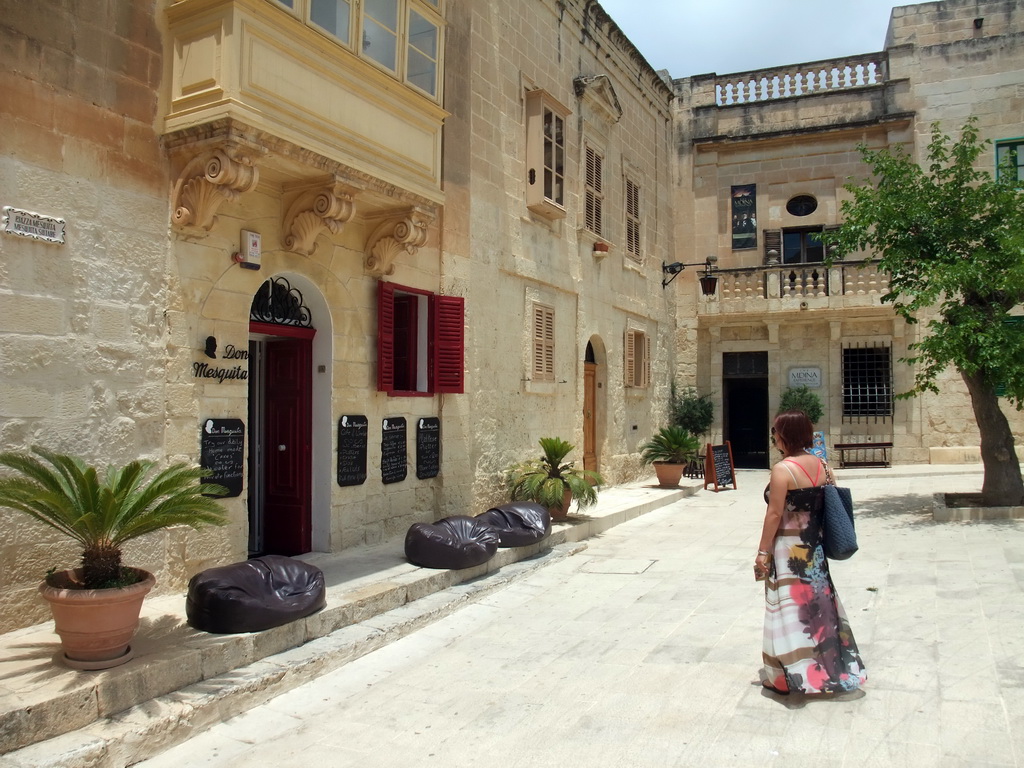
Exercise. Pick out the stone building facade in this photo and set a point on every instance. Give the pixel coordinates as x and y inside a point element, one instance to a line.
<point>369,253</point>
<point>346,248</point>
<point>776,147</point>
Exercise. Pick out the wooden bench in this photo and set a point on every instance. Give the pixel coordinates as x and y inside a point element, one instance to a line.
<point>864,454</point>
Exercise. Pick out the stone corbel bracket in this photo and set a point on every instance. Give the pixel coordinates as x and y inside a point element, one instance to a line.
<point>328,208</point>
<point>407,232</point>
<point>207,181</point>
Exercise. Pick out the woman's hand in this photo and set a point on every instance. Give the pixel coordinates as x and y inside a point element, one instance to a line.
<point>762,564</point>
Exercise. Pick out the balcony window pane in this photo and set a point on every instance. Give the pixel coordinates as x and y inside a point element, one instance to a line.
<point>384,12</point>
<point>332,16</point>
<point>379,44</point>
<point>422,35</point>
<point>421,59</point>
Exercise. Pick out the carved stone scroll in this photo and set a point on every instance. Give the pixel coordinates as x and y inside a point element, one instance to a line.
<point>207,181</point>
<point>404,233</point>
<point>328,208</point>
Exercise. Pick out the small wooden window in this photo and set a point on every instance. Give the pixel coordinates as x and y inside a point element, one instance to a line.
<point>545,154</point>
<point>420,341</point>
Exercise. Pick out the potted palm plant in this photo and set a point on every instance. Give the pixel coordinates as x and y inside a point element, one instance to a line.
<point>96,607</point>
<point>670,450</point>
<point>553,482</point>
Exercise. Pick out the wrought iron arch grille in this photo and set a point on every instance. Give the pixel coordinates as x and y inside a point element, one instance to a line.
<point>278,303</point>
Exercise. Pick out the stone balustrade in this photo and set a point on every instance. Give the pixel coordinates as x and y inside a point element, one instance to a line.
<point>801,79</point>
<point>802,281</point>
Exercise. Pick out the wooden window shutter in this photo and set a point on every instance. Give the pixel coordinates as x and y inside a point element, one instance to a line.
<point>630,358</point>
<point>449,340</point>
<point>632,220</point>
<point>594,191</point>
<point>385,337</point>
<point>772,242</point>
<point>543,343</point>
<point>647,362</point>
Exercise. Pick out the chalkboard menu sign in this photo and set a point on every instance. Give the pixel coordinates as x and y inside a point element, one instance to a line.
<point>718,466</point>
<point>428,447</point>
<point>222,446</point>
<point>393,461</point>
<point>352,438</point>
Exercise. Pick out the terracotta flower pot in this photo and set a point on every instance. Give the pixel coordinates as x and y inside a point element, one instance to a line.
<point>562,512</point>
<point>668,474</point>
<point>95,625</point>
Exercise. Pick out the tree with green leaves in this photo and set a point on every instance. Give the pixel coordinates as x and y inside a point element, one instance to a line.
<point>951,238</point>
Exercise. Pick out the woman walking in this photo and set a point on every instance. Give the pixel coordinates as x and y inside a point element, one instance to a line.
<point>808,645</point>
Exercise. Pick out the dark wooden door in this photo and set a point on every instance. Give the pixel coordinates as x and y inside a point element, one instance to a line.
<point>287,512</point>
<point>589,418</point>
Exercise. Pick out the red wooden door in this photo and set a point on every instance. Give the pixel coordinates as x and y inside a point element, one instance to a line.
<point>287,512</point>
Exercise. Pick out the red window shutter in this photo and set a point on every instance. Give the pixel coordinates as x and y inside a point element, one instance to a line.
<point>385,337</point>
<point>448,313</point>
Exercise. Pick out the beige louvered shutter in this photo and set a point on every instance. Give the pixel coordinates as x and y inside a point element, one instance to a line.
<point>629,358</point>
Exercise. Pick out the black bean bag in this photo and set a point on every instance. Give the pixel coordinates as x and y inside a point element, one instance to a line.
<point>453,542</point>
<point>255,595</point>
<point>518,523</point>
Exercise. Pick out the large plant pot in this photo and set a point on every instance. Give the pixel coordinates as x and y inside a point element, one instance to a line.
<point>95,625</point>
<point>562,512</point>
<point>668,474</point>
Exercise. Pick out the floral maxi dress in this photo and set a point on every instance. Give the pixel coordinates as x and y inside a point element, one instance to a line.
<point>808,645</point>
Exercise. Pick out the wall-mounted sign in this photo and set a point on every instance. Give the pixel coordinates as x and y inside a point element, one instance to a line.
<point>428,447</point>
<point>393,453</point>
<point>805,377</point>
<point>352,434</point>
<point>222,373</point>
<point>744,216</point>
<point>34,225</point>
<point>222,447</point>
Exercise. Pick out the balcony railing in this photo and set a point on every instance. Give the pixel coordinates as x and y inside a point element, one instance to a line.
<point>781,281</point>
<point>801,79</point>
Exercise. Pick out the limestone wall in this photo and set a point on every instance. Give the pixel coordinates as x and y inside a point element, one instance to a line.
<point>82,326</point>
<point>510,257</point>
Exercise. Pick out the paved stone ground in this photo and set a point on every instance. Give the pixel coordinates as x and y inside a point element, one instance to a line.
<point>642,651</point>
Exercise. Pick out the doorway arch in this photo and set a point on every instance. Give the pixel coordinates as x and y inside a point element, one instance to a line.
<point>290,353</point>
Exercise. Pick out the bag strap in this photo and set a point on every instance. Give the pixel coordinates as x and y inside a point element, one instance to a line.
<point>829,477</point>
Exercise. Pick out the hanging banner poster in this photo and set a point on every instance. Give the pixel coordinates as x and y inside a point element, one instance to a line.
<point>744,217</point>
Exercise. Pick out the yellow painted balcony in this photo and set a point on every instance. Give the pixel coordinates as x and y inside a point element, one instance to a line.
<point>268,70</point>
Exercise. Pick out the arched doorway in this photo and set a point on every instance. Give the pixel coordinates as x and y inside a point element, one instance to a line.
<point>283,444</point>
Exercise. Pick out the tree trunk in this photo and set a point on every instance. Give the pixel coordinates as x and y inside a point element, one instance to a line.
<point>1003,485</point>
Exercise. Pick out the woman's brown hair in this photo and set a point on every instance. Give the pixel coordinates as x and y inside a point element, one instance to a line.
<point>794,429</point>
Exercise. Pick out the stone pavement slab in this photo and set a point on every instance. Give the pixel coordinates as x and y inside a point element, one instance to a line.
<point>596,660</point>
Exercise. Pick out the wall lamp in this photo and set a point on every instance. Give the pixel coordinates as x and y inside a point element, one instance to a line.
<point>708,281</point>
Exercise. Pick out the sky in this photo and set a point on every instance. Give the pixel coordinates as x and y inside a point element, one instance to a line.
<point>694,37</point>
